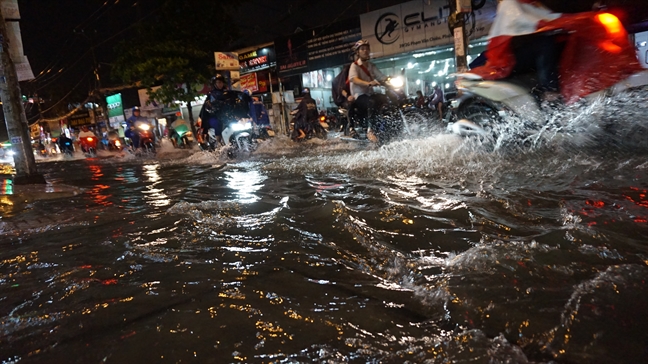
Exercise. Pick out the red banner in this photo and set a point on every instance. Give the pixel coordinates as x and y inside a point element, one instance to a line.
<point>249,82</point>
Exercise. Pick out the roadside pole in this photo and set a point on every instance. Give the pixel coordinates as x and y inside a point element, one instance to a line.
<point>458,25</point>
<point>15,118</point>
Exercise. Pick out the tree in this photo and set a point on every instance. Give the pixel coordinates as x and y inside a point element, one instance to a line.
<point>173,48</point>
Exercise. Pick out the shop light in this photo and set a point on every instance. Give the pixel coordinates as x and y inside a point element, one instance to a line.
<point>329,77</point>
<point>434,83</point>
<point>447,85</point>
<point>418,82</point>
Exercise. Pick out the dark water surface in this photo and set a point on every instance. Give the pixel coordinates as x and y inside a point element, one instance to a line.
<point>430,250</point>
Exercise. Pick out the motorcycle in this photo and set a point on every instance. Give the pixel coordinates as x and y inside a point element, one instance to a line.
<point>113,142</point>
<point>66,146</point>
<point>315,128</point>
<point>181,136</point>
<point>238,137</point>
<point>146,138</point>
<point>89,145</point>
<point>485,104</point>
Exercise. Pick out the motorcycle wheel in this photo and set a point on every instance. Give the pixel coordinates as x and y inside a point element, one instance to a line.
<point>185,142</point>
<point>484,116</point>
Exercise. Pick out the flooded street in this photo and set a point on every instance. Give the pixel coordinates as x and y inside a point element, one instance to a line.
<point>437,249</point>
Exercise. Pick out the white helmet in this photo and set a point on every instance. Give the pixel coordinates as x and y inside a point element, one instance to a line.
<point>359,44</point>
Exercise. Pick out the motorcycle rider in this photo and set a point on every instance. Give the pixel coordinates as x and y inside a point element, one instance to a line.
<point>514,47</point>
<point>363,76</point>
<point>307,112</point>
<point>83,134</point>
<point>131,132</point>
<point>210,114</point>
<point>436,102</point>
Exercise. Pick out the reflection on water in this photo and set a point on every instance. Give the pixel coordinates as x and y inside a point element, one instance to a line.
<point>428,250</point>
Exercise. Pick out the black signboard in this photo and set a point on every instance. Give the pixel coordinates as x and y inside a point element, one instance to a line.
<point>323,47</point>
<point>80,118</point>
<point>256,60</point>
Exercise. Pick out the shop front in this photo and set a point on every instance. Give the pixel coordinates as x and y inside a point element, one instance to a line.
<point>314,57</point>
<point>412,37</point>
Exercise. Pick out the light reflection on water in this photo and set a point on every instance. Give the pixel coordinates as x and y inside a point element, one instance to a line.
<point>356,256</point>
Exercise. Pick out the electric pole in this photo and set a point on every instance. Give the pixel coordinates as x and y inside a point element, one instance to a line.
<point>458,24</point>
<point>14,114</point>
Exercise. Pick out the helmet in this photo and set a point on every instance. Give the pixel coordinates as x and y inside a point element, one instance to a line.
<point>359,44</point>
<point>217,78</point>
<point>135,108</point>
<point>306,90</point>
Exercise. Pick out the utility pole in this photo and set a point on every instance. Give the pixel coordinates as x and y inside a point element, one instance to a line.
<point>15,118</point>
<point>97,92</point>
<point>458,24</point>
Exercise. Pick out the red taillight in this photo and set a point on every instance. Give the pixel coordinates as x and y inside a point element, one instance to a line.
<point>610,22</point>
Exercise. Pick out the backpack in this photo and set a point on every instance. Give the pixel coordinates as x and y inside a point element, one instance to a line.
<point>341,82</point>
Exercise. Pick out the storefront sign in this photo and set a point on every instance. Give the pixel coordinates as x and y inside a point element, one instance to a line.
<point>249,82</point>
<point>115,109</point>
<point>417,25</point>
<point>318,48</point>
<point>80,118</point>
<point>226,61</point>
<point>259,59</point>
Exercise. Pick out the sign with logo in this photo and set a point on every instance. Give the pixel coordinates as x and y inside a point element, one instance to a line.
<point>249,82</point>
<point>323,47</point>
<point>115,109</point>
<point>418,25</point>
<point>259,59</point>
<point>226,61</point>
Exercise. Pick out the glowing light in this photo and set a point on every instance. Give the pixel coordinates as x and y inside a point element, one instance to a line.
<point>418,82</point>
<point>434,83</point>
<point>447,85</point>
<point>610,22</point>
<point>397,82</point>
<point>329,77</point>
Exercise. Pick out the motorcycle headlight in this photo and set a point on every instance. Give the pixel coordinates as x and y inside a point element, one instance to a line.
<point>90,139</point>
<point>241,126</point>
<point>11,153</point>
<point>144,127</point>
<point>396,82</point>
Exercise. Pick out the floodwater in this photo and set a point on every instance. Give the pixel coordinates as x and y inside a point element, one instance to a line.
<point>438,249</point>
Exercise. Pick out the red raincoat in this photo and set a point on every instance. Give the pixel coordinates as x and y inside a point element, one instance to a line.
<point>597,54</point>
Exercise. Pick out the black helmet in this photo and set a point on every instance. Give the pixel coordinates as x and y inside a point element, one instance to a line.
<point>217,78</point>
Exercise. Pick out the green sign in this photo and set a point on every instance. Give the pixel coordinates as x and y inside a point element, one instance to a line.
<point>115,107</point>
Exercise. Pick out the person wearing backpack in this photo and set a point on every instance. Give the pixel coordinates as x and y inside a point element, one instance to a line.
<point>363,76</point>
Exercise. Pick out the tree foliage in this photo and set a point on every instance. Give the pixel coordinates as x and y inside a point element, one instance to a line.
<point>174,46</point>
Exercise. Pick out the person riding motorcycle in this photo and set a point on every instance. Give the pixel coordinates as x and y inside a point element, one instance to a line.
<point>211,113</point>
<point>131,131</point>
<point>593,51</point>
<point>307,113</point>
<point>436,100</point>
<point>83,135</point>
<point>363,76</point>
